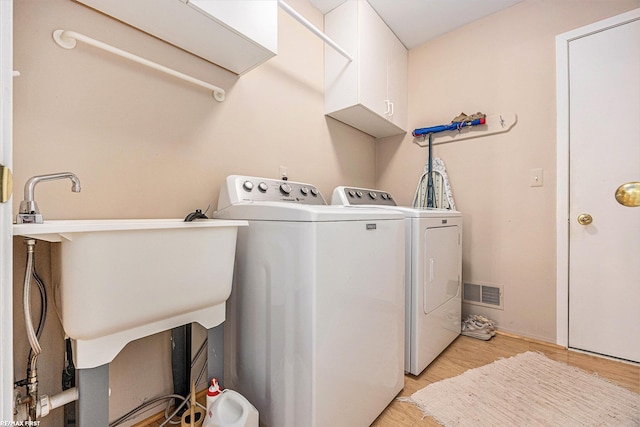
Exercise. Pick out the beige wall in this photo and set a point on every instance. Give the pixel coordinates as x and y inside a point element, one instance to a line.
<point>503,63</point>
<point>145,145</point>
<point>149,146</point>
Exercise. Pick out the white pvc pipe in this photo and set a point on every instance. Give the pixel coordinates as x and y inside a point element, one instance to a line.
<point>67,39</point>
<point>301,19</point>
<point>61,399</point>
<point>48,403</point>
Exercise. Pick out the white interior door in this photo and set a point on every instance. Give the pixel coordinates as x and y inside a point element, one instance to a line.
<point>6,238</point>
<point>604,147</point>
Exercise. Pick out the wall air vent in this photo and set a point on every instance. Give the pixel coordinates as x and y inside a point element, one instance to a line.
<point>482,294</point>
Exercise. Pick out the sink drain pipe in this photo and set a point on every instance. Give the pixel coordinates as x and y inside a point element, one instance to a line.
<point>44,405</point>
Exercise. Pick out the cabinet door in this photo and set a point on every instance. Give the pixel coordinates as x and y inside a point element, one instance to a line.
<point>373,41</point>
<point>397,81</point>
<point>359,93</point>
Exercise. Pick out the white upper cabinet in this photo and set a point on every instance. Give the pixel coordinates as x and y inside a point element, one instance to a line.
<point>236,35</point>
<point>370,92</point>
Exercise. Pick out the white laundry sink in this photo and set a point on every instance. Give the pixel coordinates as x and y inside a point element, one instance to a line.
<point>120,280</point>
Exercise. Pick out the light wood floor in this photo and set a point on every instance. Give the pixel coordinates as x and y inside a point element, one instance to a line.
<point>467,353</point>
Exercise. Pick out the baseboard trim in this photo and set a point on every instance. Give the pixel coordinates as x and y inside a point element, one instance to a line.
<point>531,340</point>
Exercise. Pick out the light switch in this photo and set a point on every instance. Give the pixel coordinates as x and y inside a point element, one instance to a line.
<point>535,177</point>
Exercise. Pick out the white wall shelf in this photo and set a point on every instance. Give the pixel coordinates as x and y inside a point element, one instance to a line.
<point>236,35</point>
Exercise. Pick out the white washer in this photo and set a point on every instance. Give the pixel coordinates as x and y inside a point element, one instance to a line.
<point>314,334</point>
<point>433,273</point>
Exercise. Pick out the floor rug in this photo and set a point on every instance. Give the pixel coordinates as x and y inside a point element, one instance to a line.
<point>528,389</point>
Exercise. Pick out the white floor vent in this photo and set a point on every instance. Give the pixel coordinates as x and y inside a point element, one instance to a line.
<point>481,294</point>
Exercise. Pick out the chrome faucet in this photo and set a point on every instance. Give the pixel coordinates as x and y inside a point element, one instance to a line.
<point>29,212</point>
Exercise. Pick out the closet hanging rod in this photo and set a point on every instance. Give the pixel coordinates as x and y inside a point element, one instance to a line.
<point>301,19</point>
<point>67,39</point>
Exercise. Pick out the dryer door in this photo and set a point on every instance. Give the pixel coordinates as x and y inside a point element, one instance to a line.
<point>441,279</point>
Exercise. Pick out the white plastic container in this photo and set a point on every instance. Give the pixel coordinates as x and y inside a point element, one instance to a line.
<point>212,395</point>
<point>231,409</point>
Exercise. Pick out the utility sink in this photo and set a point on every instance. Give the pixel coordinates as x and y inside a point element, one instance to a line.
<point>120,280</point>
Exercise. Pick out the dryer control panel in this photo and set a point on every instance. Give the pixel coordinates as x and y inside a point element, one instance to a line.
<point>239,188</point>
<point>352,196</point>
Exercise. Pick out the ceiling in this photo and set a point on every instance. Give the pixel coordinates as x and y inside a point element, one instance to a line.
<point>417,21</point>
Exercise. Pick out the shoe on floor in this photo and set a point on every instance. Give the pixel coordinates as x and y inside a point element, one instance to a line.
<point>481,335</point>
<point>478,326</point>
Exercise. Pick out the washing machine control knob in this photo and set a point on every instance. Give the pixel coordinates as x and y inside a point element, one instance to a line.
<point>314,192</point>
<point>359,194</point>
<point>373,195</point>
<point>263,187</point>
<point>248,185</point>
<point>352,193</point>
<point>285,188</point>
<point>304,190</point>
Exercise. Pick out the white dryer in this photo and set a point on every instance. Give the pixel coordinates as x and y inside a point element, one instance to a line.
<point>433,273</point>
<point>316,315</point>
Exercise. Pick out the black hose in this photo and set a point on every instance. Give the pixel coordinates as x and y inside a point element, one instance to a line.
<point>43,298</point>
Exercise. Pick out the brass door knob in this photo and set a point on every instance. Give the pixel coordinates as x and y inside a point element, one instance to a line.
<point>585,219</point>
<point>628,194</point>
